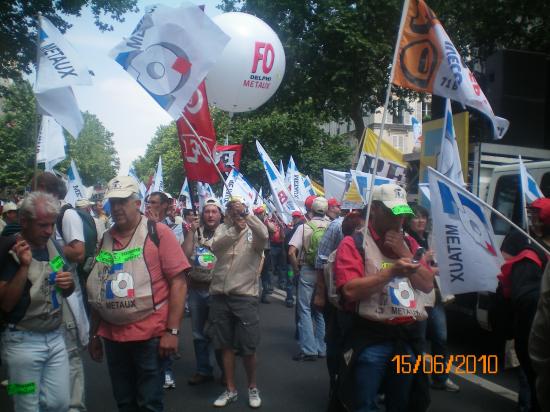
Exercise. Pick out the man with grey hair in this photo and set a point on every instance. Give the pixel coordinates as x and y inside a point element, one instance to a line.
<point>33,281</point>
<point>137,292</point>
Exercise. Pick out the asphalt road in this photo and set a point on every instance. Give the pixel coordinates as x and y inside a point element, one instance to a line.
<point>290,386</point>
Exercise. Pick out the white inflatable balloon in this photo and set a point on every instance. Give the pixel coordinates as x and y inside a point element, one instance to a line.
<point>251,67</point>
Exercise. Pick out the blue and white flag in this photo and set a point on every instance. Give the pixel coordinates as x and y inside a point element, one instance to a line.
<point>417,129</point>
<point>75,189</point>
<point>529,187</point>
<point>468,256</point>
<point>158,179</point>
<point>309,186</point>
<point>59,68</point>
<point>282,199</point>
<point>238,187</point>
<point>448,160</point>
<point>282,169</point>
<point>51,143</point>
<point>297,184</point>
<point>141,186</point>
<point>204,190</point>
<point>362,181</point>
<point>170,52</point>
<point>184,198</point>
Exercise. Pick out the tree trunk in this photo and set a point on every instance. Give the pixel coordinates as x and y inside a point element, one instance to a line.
<point>357,118</point>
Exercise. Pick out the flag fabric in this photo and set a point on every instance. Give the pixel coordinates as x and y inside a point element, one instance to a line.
<point>390,163</point>
<point>529,187</point>
<point>184,198</point>
<point>228,157</point>
<point>51,143</point>
<point>158,180</point>
<point>468,257</point>
<point>448,161</point>
<point>142,187</point>
<point>260,199</point>
<point>59,68</point>
<point>76,190</point>
<point>282,169</point>
<point>341,186</point>
<point>297,184</point>
<point>427,61</point>
<point>205,192</point>
<point>170,52</point>
<point>362,181</point>
<point>308,184</point>
<point>195,152</point>
<point>284,204</point>
<point>239,187</point>
<point>417,130</point>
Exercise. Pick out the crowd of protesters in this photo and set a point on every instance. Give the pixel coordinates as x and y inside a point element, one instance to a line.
<point>118,284</point>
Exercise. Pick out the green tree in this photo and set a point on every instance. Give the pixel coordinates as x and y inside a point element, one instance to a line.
<point>19,21</point>
<point>17,134</point>
<point>164,143</point>
<point>93,152</point>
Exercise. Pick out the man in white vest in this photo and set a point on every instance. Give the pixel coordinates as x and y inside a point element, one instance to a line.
<point>137,292</point>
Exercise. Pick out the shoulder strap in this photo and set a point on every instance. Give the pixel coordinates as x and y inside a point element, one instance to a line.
<point>59,220</point>
<point>152,232</point>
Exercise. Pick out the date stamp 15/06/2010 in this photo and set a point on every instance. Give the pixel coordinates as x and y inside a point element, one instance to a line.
<point>438,364</point>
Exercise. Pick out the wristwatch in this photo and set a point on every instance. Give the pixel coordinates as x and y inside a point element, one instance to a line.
<point>174,332</point>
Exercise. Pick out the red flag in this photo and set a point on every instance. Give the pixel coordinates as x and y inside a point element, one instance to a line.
<point>197,163</point>
<point>228,157</point>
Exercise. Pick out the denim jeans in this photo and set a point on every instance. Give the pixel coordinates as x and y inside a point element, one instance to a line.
<point>39,361</point>
<point>374,369</point>
<point>199,304</point>
<point>311,324</point>
<point>136,374</point>
<point>436,333</point>
<point>280,269</point>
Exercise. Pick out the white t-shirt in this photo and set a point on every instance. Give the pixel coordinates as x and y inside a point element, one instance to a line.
<point>73,228</point>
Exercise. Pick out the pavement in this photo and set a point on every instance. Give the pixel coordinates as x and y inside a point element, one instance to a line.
<point>290,386</point>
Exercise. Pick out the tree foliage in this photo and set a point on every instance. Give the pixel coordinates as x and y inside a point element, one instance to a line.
<point>19,22</point>
<point>93,152</point>
<point>17,135</point>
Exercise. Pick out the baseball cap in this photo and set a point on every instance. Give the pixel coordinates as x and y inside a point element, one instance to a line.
<point>333,202</point>
<point>542,205</point>
<point>297,214</point>
<point>320,205</point>
<point>9,207</point>
<point>393,197</point>
<point>121,187</point>
<point>83,203</point>
<point>309,201</point>
<point>213,201</point>
<point>260,209</point>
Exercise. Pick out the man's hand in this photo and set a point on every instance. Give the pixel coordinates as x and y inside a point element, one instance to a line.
<point>396,242</point>
<point>23,252</point>
<point>404,267</point>
<point>319,299</point>
<point>152,215</point>
<point>64,280</point>
<point>168,345</point>
<point>95,349</point>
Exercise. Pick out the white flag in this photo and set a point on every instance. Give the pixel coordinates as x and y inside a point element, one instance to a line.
<point>417,129</point>
<point>142,187</point>
<point>362,181</point>
<point>468,257</point>
<point>184,198</point>
<point>204,191</point>
<point>158,180</point>
<point>284,204</point>
<point>51,143</point>
<point>59,68</point>
<point>76,190</point>
<point>170,52</point>
<point>297,184</point>
<point>309,186</point>
<point>529,187</point>
<point>448,161</point>
<point>238,186</point>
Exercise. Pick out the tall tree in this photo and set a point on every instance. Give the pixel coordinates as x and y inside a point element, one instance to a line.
<point>17,134</point>
<point>18,28</point>
<point>93,152</point>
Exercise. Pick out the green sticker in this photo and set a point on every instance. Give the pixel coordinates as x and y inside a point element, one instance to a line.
<point>105,257</point>
<point>402,210</point>
<point>21,388</point>
<point>127,255</point>
<point>56,263</point>
<point>208,258</point>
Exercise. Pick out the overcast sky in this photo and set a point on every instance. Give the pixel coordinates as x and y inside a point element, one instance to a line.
<point>115,98</point>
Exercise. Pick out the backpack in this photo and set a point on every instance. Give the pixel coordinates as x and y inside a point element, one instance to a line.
<point>315,239</point>
<point>90,238</point>
<point>501,310</point>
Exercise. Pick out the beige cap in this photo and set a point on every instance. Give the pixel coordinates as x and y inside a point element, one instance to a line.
<point>9,207</point>
<point>121,187</point>
<point>213,201</point>
<point>319,205</point>
<point>83,203</point>
<point>394,198</point>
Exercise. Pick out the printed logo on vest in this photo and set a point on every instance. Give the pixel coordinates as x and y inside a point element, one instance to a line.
<point>402,295</point>
<point>121,287</point>
<point>204,258</point>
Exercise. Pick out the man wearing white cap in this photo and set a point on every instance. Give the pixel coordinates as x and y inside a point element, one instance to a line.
<point>137,292</point>
<point>11,218</point>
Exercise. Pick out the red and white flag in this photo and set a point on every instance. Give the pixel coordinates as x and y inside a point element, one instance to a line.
<point>197,162</point>
<point>229,157</point>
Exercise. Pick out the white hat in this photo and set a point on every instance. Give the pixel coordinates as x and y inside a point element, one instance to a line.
<point>393,197</point>
<point>121,187</point>
<point>212,201</point>
<point>319,205</point>
<point>83,203</point>
<point>9,207</point>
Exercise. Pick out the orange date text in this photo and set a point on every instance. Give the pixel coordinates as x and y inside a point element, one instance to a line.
<point>437,364</point>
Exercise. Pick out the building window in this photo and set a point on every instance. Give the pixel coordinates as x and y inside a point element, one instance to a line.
<point>398,111</point>
<point>398,142</point>
<point>426,111</point>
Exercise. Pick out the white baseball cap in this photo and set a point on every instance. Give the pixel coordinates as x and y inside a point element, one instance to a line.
<point>121,187</point>
<point>394,197</point>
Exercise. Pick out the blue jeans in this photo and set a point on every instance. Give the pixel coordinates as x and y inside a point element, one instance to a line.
<point>436,333</point>
<point>280,269</point>
<point>374,369</point>
<point>311,324</point>
<point>199,304</point>
<point>39,363</point>
<point>137,374</point>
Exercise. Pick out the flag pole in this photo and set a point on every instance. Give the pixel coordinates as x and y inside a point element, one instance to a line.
<point>488,206</point>
<point>37,116</point>
<point>384,114</point>
<point>359,149</point>
<point>206,149</point>
<point>523,200</point>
